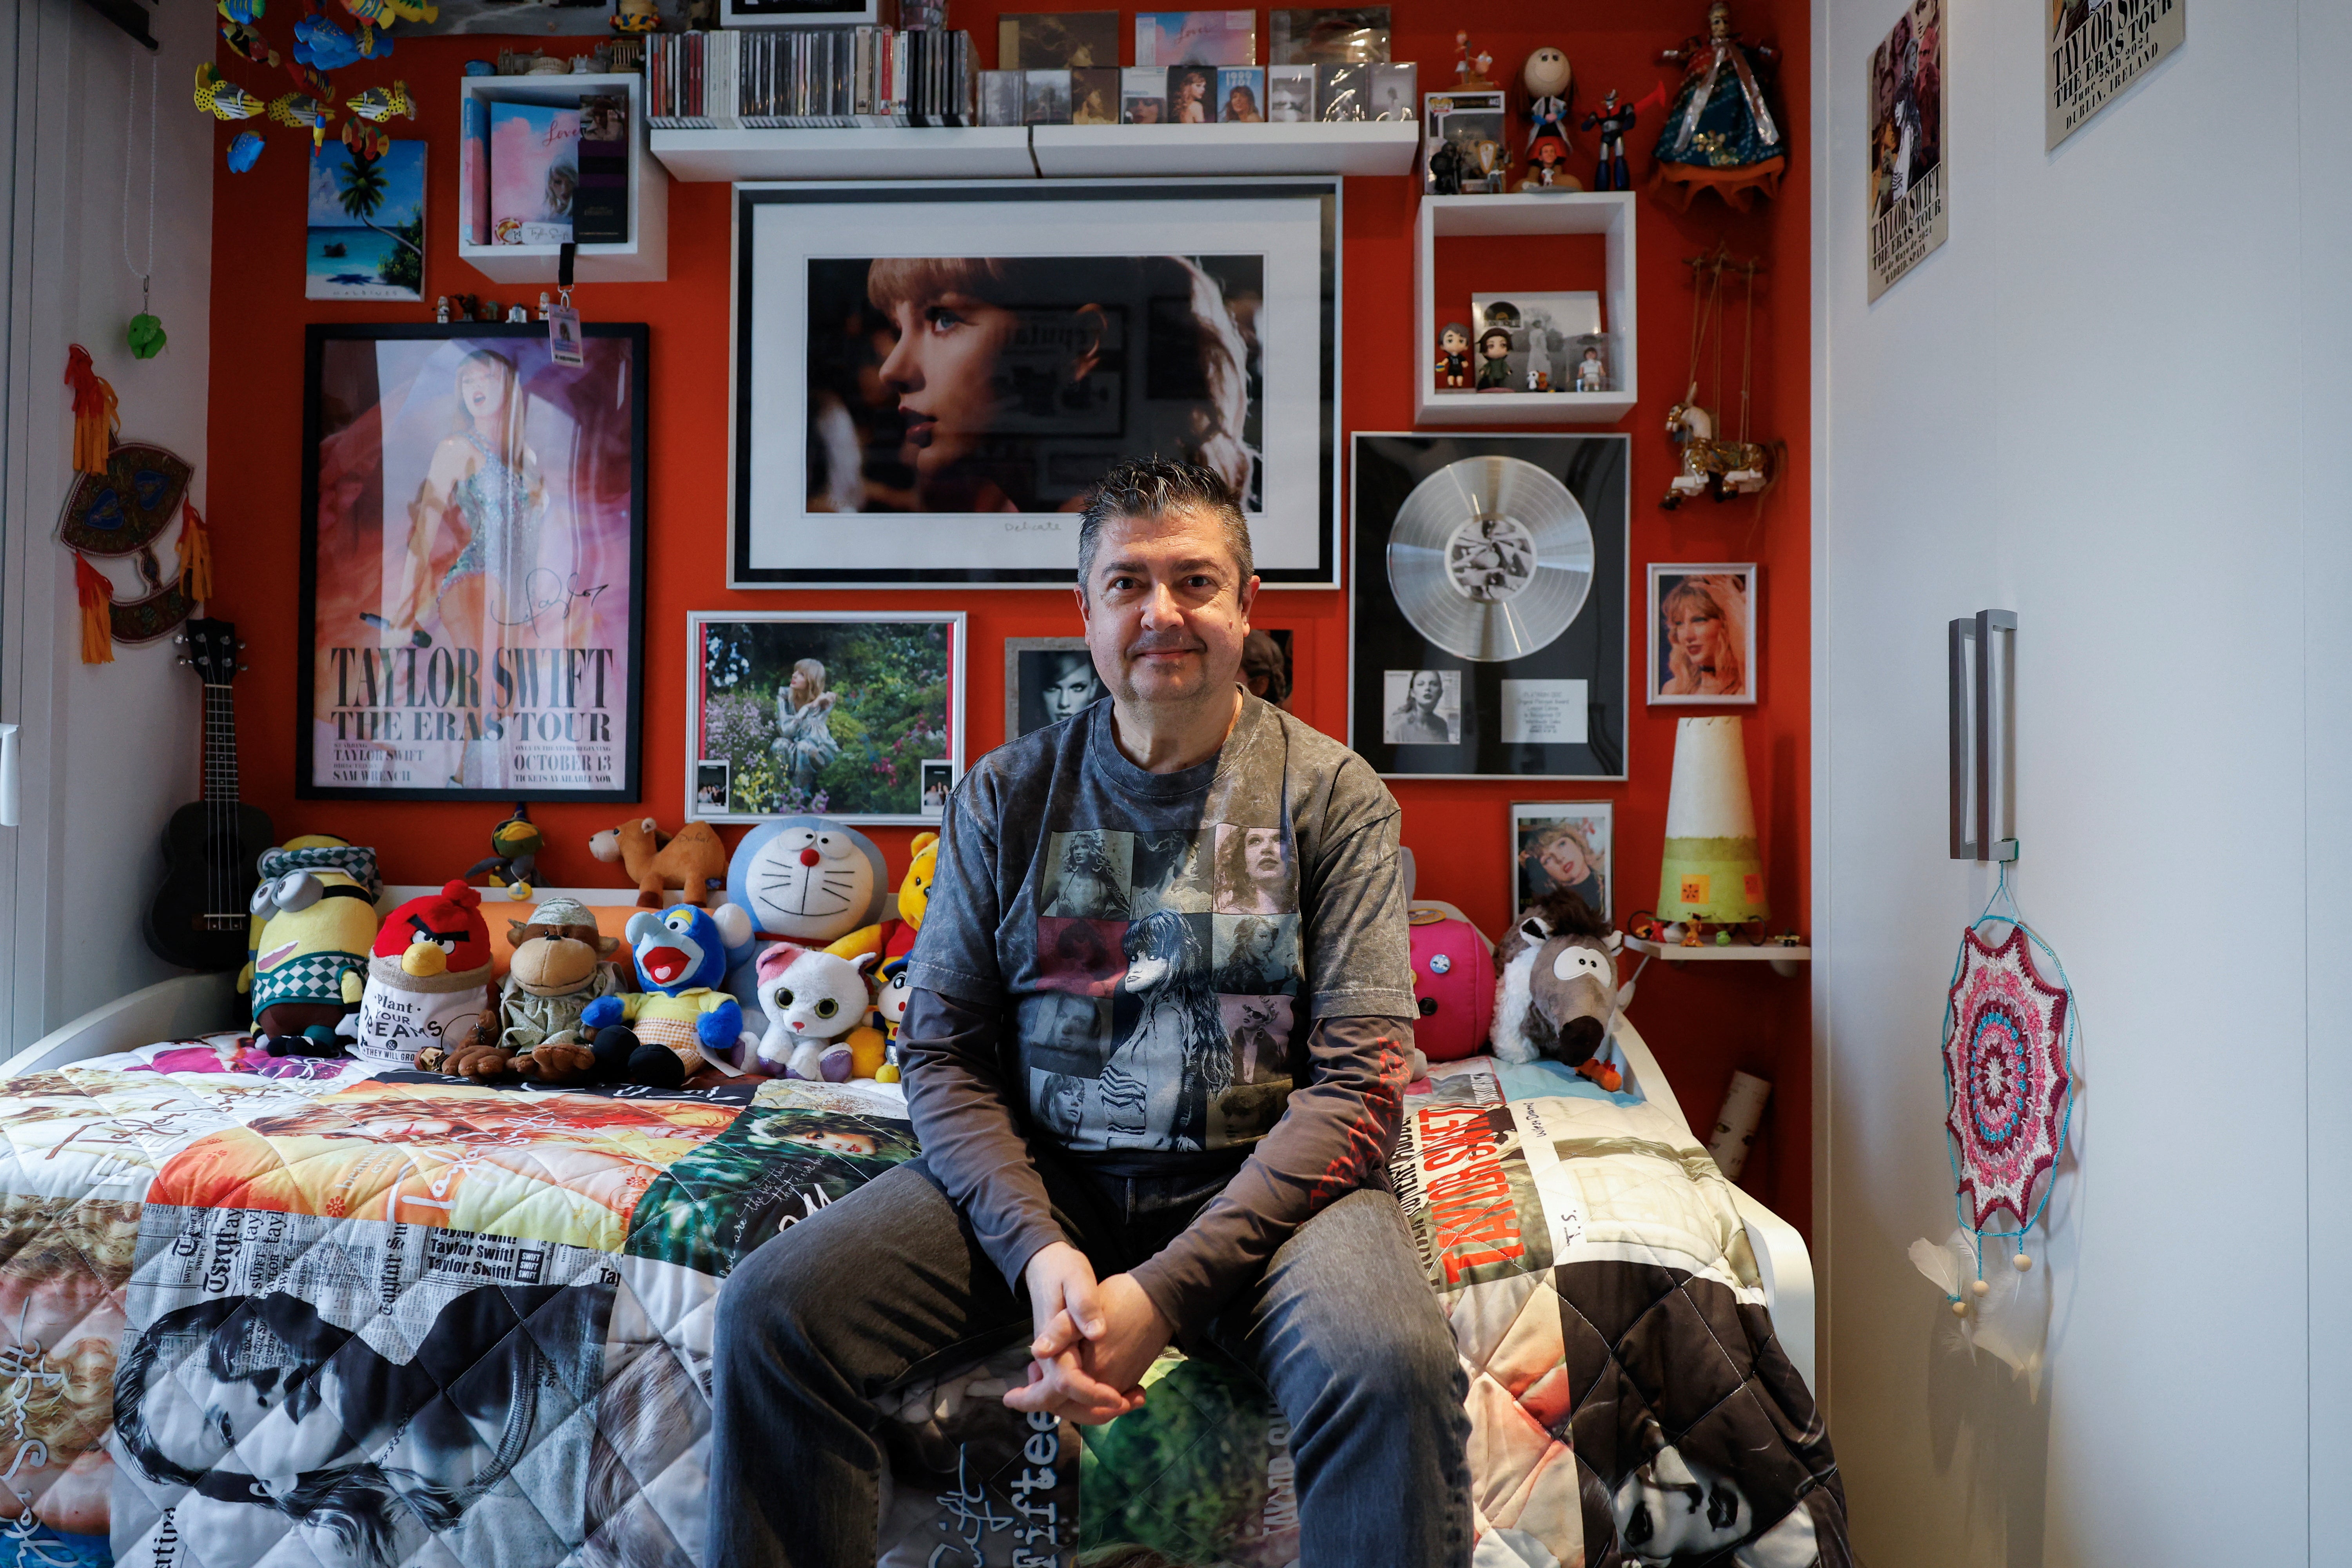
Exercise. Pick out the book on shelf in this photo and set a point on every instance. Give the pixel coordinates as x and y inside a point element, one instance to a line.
<point>811,78</point>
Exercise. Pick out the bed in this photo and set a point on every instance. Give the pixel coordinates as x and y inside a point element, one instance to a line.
<point>272,1311</point>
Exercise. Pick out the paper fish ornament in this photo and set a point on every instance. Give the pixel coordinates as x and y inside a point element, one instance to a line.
<point>383,13</point>
<point>241,155</point>
<point>244,12</point>
<point>378,103</point>
<point>222,99</point>
<point>320,43</point>
<point>248,43</point>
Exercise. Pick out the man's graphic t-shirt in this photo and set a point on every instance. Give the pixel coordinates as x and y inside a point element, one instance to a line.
<point>1160,944</point>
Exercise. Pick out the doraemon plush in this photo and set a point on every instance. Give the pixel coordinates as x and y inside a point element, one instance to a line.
<point>804,880</point>
<point>681,956</point>
<point>816,1005</point>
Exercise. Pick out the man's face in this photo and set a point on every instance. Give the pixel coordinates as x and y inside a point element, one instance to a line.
<point>1166,607</point>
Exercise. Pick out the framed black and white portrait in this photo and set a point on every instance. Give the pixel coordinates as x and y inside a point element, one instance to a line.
<point>1421,707</point>
<point>958,364</point>
<point>1046,680</point>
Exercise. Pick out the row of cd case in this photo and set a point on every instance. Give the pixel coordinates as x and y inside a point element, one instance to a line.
<point>1196,94</point>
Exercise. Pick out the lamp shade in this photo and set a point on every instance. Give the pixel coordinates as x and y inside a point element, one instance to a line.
<point>1713,871</point>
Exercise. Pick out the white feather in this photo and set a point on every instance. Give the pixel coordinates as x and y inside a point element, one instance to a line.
<point>1942,1269</point>
<point>1513,999</point>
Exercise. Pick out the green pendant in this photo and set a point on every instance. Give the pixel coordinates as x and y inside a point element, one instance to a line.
<point>145,336</point>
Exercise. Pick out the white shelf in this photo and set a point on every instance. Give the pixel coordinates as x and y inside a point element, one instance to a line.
<point>1609,214</point>
<point>1027,152</point>
<point>1345,147</point>
<point>643,256</point>
<point>1783,960</point>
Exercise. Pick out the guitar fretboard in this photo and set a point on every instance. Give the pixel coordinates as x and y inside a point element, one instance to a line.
<point>222,851</point>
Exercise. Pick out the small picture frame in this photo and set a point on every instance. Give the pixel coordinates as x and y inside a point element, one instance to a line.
<point>1703,633</point>
<point>713,778</point>
<point>939,782</point>
<point>1046,680</point>
<point>1562,846</point>
<point>1422,706</point>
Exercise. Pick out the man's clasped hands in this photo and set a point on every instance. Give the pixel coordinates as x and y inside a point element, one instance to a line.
<point>1093,1338</point>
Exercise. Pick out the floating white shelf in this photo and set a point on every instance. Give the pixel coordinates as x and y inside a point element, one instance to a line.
<point>1024,152</point>
<point>643,256</point>
<point>1783,960</point>
<point>1609,214</point>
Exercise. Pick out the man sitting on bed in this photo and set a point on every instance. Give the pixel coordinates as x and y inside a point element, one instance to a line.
<point>1117,1155</point>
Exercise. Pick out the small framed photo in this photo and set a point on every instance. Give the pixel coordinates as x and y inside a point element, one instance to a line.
<point>1046,680</point>
<point>1703,633</point>
<point>939,782</point>
<point>1421,708</point>
<point>823,711</point>
<point>1241,95</point>
<point>1562,847</point>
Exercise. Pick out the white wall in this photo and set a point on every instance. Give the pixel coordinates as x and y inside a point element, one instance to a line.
<point>2112,403</point>
<point>111,748</point>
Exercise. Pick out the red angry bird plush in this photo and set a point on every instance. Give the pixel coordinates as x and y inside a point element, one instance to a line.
<point>428,977</point>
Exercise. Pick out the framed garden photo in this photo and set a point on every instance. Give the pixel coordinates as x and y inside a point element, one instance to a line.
<point>472,606</point>
<point>1703,633</point>
<point>965,404</point>
<point>1562,847</point>
<point>850,716</point>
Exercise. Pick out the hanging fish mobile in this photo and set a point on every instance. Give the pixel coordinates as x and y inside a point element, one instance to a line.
<point>379,103</point>
<point>383,13</point>
<point>299,109</point>
<point>222,99</point>
<point>319,46</point>
<point>319,43</point>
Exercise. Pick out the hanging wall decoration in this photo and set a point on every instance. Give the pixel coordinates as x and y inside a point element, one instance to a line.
<point>1720,133</point>
<point>2010,1026</point>
<point>2096,51</point>
<point>124,501</point>
<point>1722,467</point>
<point>1906,146</point>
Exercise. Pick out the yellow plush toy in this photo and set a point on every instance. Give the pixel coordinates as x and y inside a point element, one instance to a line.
<point>894,935</point>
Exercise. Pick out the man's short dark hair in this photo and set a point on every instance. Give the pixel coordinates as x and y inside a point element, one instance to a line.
<point>1154,486</point>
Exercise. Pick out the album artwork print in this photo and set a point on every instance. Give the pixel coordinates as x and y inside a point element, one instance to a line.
<point>1490,584</point>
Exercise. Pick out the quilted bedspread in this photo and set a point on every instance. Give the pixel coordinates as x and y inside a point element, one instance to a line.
<point>297,1314</point>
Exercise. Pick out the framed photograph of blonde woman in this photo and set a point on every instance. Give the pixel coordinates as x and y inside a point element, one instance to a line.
<point>1562,847</point>
<point>1703,633</point>
<point>966,404</point>
<point>472,608</point>
<point>858,718</point>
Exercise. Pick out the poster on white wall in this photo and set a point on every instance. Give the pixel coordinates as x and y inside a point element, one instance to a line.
<point>1906,144</point>
<point>2097,49</point>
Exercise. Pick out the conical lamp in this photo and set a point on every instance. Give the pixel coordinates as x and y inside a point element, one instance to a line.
<point>1712,870</point>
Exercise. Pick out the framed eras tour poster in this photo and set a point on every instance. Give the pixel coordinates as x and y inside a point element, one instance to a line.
<point>473,557</point>
<point>857,716</point>
<point>959,364</point>
<point>1490,585</point>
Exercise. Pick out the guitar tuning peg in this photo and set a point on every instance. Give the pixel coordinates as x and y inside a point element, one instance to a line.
<point>180,641</point>
<point>240,645</point>
<point>245,667</point>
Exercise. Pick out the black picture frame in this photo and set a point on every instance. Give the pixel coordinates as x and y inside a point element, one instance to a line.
<point>630,712</point>
<point>774,541</point>
<point>1592,648</point>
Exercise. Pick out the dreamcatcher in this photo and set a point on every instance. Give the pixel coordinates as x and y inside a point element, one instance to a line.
<point>2008,1097</point>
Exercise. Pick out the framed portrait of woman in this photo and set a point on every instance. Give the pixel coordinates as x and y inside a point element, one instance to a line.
<point>965,404</point>
<point>1562,847</point>
<point>854,717</point>
<point>472,606</point>
<point>1703,633</point>
<point>1046,680</point>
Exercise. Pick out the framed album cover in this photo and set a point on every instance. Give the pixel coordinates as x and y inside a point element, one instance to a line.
<point>1703,633</point>
<point>1490,599</point>
<point>1562,847</point>
<point>472,608</point>
<point>858,717</point>
<point>966,403</point>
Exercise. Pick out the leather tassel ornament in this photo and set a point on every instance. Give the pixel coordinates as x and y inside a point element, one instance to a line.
<point>97,605</point>
<point>195,554</point>
<point>95,419</point>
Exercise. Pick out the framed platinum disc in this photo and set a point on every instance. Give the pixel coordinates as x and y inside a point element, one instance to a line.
<point>1490,558</point>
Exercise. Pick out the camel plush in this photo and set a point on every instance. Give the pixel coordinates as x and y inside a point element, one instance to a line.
<point>692,861</point>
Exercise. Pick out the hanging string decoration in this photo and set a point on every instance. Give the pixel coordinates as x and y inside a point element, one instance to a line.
<point>145,333</point>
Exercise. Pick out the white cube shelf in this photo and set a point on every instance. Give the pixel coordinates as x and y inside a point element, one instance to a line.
<point>643,256</point>
<point>1609,214</point>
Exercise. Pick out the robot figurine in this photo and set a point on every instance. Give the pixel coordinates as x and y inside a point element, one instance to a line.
<point>1612,120</point>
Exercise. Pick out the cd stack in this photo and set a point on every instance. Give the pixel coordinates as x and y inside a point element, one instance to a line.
<point>801,78</point>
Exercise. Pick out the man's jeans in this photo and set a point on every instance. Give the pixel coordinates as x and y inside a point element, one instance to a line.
<point>1343,1330</point>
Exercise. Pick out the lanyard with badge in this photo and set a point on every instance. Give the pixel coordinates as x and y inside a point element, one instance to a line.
<point>563,321</point>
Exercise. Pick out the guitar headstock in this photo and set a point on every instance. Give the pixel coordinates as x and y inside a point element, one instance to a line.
<point>212,649</point>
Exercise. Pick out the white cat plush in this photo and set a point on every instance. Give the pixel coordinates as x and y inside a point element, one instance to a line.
<point>816,1004</point>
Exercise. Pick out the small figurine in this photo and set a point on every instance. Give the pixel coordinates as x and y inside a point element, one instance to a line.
<point>1547,155</point>
<point>1789,939</point>
<point>1494,360</point>
<point>1720,133</point>
<point>1470,68</point>
<point>1539,355</point>
<point>1691,936</point>
<point>635,16</point>
<point>514,854</point>
<point>1454,357</point>
<point>243,152</point>
<point>1445,170</point>
<point>383,13</point>
<point>488,311</point>
<point>518,316</point>
<point>546,304</point>
<point>441,309</point>
<point>1612,120</point>
<point>1591,370</point>
<point>248,43</point>
<point>1548,80</point>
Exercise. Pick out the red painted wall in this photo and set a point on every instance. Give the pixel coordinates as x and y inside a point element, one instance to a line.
<point>1702,1021</point>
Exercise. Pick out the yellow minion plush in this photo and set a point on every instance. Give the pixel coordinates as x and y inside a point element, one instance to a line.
<point>313,922</point>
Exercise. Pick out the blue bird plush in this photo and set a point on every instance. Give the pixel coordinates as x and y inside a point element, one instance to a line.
<point>659,1036</point>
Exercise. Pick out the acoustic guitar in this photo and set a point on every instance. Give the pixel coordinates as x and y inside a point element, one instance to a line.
<point>199,918</point>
